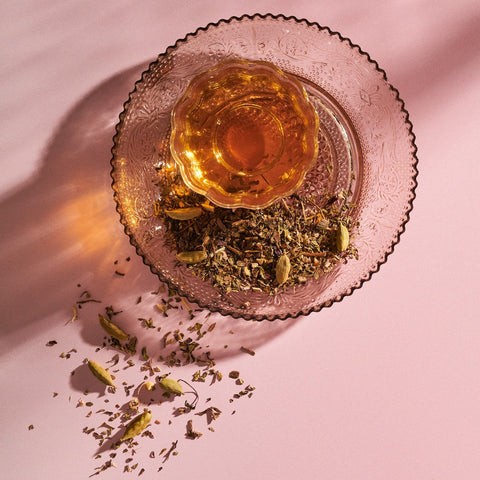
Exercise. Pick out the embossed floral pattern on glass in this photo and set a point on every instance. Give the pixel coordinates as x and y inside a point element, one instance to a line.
<point>367,138</point>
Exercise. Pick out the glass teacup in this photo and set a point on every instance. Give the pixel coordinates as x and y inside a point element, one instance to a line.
<point>244,134</point>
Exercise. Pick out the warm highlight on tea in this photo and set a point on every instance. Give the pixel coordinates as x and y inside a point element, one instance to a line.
<point>244,134</point>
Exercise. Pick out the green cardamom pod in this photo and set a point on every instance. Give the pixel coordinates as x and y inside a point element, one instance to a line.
<point>282,269</point>
<point>114,330</point>
<point>195,256</point>
<point>101,373</point>
<point>171,386</point>
<point>137,425</point>
<point>343,238</point>
<point>186,213</point>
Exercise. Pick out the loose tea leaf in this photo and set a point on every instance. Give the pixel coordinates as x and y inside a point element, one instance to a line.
<point>191,433</point>
<point>212,413</point>
<point>247,350</point>
<point>101,373</point>
<point>108,464</point>
<point>239,249</point>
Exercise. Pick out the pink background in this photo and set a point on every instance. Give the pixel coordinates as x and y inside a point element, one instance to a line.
<point>384,385</point>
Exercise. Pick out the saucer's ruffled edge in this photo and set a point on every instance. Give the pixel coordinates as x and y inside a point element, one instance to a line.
<point>400,231</point>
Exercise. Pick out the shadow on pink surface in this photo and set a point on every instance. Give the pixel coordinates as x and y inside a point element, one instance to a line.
<point>63,237</point>
<point>440,58</point>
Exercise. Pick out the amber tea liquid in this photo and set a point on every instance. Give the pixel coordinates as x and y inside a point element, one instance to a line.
<point>245,132</point>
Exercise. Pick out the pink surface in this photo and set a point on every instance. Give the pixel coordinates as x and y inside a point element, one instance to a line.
<point>384,385</point>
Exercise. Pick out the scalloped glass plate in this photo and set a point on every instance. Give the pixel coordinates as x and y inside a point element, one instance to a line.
<point>367,140</point>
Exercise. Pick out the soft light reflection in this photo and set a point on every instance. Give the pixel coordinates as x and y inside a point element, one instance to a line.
<point>197,171</point>
<point>86,219</point>
<point>129,211</point>
<point>127,203</point>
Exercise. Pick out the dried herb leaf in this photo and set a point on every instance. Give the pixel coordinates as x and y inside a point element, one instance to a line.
<point>247,350</point>
<point>191,433</point>
<point>212,413</point>
<point>240,247</point>
<point>108,464</point>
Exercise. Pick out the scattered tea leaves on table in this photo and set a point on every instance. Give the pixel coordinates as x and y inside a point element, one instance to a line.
<point>108,464</point>
<point>343,238</point>
<point>247,350</point>
<point>212,413</point>
<point>191,433</point>
<point>183,346</point>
